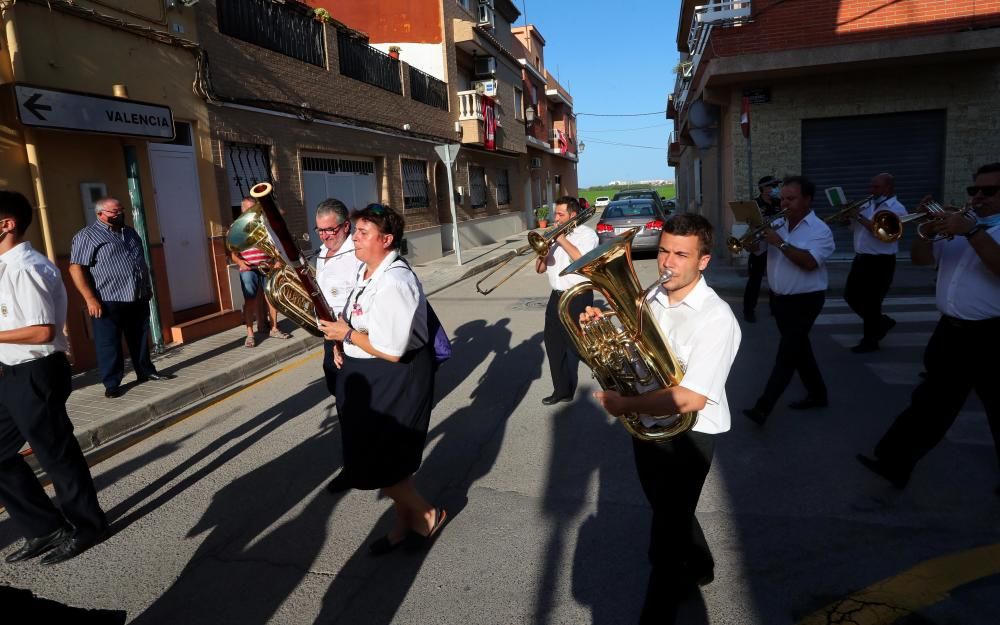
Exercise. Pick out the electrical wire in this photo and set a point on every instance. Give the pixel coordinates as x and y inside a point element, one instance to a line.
<point>629,129</point>
<point>621,114</point>
<point>627,145</point>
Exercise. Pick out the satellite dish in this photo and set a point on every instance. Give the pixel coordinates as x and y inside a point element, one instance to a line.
<point>702,115</point>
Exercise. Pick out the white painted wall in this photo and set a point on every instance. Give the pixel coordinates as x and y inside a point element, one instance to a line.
<point>427,57</point>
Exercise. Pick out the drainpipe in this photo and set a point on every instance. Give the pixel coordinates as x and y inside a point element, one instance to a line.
<point>139,220</point>
<point>31,147</point>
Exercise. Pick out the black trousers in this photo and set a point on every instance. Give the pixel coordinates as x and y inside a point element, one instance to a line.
<point>563,359</point>
<point>756,270</point>
<point>866,287</point>
<point>33,408</point>
<point>672,474</point>
<point>960,357</point>
<point>329,369</point>
<point>795,315</point>
<point>130,319</point>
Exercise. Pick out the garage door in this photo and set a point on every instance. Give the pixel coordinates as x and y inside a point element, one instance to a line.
<point>848,151</point>
<point>348,179</point>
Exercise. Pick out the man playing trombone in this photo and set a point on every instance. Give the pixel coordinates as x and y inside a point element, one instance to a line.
<point>568,247</point>
<point>874,265</point>
<point>961,354</point>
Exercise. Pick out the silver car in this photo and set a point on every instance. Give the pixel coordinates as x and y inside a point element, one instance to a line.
<point>620,215</point>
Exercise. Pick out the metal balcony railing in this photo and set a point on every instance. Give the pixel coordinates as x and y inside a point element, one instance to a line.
<point>427,89</point>
<point>283,28</point>
<point>708,16</point>
<point>360,61</point>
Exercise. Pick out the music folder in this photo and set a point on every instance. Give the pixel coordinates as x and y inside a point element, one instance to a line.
<point>747,211</point>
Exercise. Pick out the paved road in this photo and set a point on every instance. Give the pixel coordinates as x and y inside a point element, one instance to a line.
<point>222,518</point>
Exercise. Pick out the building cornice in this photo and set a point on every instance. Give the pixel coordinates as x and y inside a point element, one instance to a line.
<point>531,70</point>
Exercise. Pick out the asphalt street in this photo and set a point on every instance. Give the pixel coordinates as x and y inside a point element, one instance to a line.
<point>223,518</point>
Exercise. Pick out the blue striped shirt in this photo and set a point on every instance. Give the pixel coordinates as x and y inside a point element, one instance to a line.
<point>115,260</point>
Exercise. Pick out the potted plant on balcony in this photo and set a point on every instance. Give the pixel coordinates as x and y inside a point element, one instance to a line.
<point>542,214</point>
<point>394,51</point>
<point>322,15</point>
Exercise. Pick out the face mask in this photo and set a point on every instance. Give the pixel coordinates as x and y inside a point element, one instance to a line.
<point>775,193</point>
<point>117,221</point>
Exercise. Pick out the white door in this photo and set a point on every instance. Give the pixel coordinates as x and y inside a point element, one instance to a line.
<point>326,177</point>
<point>182,224</point>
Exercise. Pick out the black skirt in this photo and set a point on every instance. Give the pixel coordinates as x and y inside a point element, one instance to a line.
<point>384,410</point>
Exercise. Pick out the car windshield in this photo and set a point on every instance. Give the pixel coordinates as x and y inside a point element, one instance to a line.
<point>629,209</point>
<point>627,194</point>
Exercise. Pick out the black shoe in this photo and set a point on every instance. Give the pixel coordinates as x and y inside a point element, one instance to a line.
<point>808,403</point>
<point>552,399</point>
<point>33,547</point>
<point>756,415</point>
<point>111,393</point>
<point>383,545</point>
<point>888,323</point>
<point>157,377</point>
<point>749,316</point>
<point>865,347</point>
<point>895,477</point>
<point>73,546</point>
<point>339,484</point>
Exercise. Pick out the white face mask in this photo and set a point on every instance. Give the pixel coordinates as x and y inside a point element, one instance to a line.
<point>775,193</point>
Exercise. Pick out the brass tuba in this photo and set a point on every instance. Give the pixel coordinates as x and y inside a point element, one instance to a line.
<point>634,356</point>
<point>282,286</point>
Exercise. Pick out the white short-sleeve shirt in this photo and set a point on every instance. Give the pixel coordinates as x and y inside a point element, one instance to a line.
<point>785,277</point>
<point>336,276</point>
<point>966,288</point>
<point>704,337</point>
<point>31,294</point>
<point>864,241</point>
<point>389,307</point>
<point>585,239</point>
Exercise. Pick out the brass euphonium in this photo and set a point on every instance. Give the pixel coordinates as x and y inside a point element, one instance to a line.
<point>634,356</point>
<point>282,286</point>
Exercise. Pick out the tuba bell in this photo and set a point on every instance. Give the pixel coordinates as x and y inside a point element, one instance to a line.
<point>282,286</point>
<point>632,357</point>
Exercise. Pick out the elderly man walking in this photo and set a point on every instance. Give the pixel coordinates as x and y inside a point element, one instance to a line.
<point>109,270</point>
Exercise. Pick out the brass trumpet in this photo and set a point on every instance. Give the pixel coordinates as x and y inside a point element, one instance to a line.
<point>848,212</point>
<point>888,226</point>
<point>540,244</point>
<point>754,234</point>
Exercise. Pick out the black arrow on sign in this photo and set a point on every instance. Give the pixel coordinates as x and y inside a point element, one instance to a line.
<point>32,105</point>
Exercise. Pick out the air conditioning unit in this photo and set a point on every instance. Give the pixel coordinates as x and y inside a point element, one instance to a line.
<point>486,15</point>
<point>486,87</point>
<point>536,163</point>
<point>484,66</point>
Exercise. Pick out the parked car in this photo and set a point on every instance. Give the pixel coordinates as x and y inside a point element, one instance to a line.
<point>584,204</point>
<point>670,205</point>
<point>649,194</point>
<point>601,202</point>
<point>620,215</point>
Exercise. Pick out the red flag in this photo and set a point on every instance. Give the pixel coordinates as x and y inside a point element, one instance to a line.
<point>745,117</point>
<point>563,144</point>
<point>489,122</point>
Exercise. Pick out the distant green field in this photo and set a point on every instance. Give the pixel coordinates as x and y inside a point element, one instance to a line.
<point>591,193</point>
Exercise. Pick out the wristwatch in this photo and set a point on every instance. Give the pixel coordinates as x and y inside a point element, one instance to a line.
<point>783,246</point>
<point>347,337</point>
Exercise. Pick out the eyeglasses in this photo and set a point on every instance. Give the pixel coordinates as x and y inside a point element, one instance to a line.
<point>987,190</point>
<point>333,230</point>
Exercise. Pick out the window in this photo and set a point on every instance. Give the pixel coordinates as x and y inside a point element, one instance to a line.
<point>503,188</point>
<point>466,4</point>
<point>246,165</point>
<point>414,184</point>
<point>477,186</point>
<point>518,103</point>
<point>628,209</point>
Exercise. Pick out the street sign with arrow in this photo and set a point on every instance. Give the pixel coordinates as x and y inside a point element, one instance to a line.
<point>86,112</point>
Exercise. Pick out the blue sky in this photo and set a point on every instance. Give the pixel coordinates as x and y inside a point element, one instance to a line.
<point>615,58</point>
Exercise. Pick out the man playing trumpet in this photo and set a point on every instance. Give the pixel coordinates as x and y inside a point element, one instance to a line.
<point>961,354</point>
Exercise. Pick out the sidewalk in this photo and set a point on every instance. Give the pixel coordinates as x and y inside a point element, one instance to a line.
<point>208,368</point>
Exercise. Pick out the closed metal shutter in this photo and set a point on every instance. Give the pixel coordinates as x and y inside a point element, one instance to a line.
<point>849,151</point>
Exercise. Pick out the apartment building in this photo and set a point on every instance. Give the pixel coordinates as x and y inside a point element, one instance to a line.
<point>98,101</point>
<point>838,90</point>
<point>550,125</point>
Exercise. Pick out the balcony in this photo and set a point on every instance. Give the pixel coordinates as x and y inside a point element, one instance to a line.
<point>706,17</point>
<point>428,89</point>
<point>360,61</point>
<point>283,28</point>
<point>470,116</point>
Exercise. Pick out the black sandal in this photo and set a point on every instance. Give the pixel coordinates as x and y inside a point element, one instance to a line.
<point>440,519</point>
<point>384,545</point>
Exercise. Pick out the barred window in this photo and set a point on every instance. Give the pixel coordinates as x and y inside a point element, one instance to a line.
<point>415,184</point>
<point>503,188</point>
<point>477,186</point>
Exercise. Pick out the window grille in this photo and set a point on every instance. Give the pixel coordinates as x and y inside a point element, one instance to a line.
<point>246,165</point>
<point>503,188</point>
<point>477,186</point>
<point>338,165</point>
<point>415,184</point>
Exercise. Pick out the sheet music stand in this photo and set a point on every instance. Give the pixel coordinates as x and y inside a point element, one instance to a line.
<point>747,212</point>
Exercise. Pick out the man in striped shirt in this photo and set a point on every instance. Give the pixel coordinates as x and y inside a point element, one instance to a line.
<point>109,269</point>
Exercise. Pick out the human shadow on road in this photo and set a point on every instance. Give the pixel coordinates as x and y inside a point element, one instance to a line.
<point>467,444</point>
<point>471,344</point>
<point>252,558</point>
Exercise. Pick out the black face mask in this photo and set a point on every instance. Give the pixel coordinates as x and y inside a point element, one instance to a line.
<point>117,221</point>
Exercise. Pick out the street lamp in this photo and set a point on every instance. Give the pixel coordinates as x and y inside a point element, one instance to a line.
<point>529,114</point>
<point>583,146</point>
